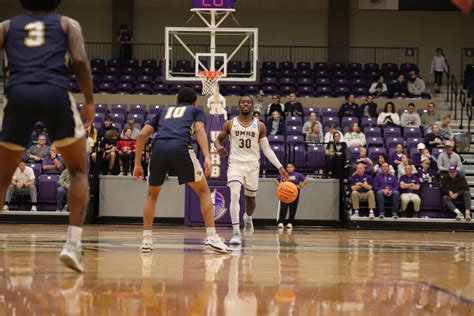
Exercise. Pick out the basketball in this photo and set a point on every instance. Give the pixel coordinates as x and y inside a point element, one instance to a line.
<point>287,192</point>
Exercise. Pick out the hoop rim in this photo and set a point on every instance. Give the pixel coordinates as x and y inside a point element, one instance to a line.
<point>210,73</point>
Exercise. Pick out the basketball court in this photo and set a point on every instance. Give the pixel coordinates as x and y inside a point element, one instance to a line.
<point>308,272</point>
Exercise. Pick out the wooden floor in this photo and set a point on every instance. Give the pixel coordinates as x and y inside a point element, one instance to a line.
<point>308,272</point>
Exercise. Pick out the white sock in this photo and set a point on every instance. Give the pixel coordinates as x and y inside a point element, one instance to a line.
<point>74,234</point>
<point>210,231</point>
<point>248,218</point>
<point>235,205</point>
<point>147,233</point>
<point>457,211</point>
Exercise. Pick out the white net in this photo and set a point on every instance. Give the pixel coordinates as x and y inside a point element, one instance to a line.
<point>210,80</point>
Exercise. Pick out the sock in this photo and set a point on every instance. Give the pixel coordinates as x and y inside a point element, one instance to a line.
<point>457,211</point>
<point>74,234</point>
<point>210,231</point>
<point>248,218</point>
<point>234,205</point>
<point>147,233</point>
<point>236,228</point>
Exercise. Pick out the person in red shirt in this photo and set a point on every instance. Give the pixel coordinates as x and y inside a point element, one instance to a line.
<point>126,147</point>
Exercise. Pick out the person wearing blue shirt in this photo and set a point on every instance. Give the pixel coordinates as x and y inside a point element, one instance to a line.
<point>410,188</point>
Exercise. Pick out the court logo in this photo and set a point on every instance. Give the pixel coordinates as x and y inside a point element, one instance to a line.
<point>218,201</point>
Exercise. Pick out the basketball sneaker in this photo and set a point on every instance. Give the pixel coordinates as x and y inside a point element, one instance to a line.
<point>147,244</point>
<point>71,256</point>
<point>33,208</point>
<point>468,216</point>
<point>248,225</point>
<point>217,244</point>
<point>280,226</point>
<point>289,226</point>
<point>371,214</point>
<point>356,213</point>
<point>381,216</point>
<point>236,239</point>
<point>5,208</point>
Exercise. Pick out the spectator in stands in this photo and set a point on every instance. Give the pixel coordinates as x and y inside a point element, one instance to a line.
<point>416,157</point>
<point>448,159</point>
<point>368,108</point>
<point>125,39</point>
<point>315,135</point>
<point>105,127</point>
<point>276,105</point>
<point>455,188</point>
<point>259,103</point>
<point>348,109</point>
<point>444,129</point>
<point>381,159</point>
<point>361,186</point>
<point>107,151</point>
<point>63,186</point>
<point>439,64</point>
<point>386,187</point>
<point>307,126</point>
<point>416,85</point>
<point>426,174</point>
<point>293,107</point>
<point>410,189</point>
<point>430,117</point>
<point>275,124</point>
<point>369,165</point>
<point>389,117</point>
<point>258,116</point>
<point>399,89</point>
<point>337,157</point>
<point>23,181</point>
<point>89,142</point>
<point>131,125</point>
<point>434,138</point>
<point>396,157</point>
<point>410,118</point>
<point>354,137</point>
<point>379,87</point>
<point>422,155</point>
<point>38,152</point>
<point>126,152</point>
<point>53,163</point>
<point>329,136</point>
<point>406,161</point>
<point>39,130</point>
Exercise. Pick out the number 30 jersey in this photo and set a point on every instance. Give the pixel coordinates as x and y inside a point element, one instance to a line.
<point>36,47</point>
<point>244,142</point>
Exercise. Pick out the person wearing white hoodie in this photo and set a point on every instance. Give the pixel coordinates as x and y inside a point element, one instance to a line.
<point>389,117</point>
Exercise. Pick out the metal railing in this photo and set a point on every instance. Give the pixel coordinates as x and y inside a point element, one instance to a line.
<point>453,98</point>
<point>465,106</point>
<point>469,106</point>
<point>275,53</point>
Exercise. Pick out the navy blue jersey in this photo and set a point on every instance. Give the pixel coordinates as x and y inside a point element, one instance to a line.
<point>36,48</point>
<point>177,123</point>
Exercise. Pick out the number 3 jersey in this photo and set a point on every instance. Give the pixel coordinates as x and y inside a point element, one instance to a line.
<point>244,142</point>
<point>36,47</point>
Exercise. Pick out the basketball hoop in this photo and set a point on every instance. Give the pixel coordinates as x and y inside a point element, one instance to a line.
<point>210,80</point>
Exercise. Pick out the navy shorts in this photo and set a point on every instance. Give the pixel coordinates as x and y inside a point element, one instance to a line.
<point>27,104</point>
<point>170,155</point>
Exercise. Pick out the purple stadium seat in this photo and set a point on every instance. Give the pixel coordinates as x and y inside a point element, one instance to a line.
<point>269,73</point>
<point>302,65</point>
<point>137,117</point>
<point>357,82</point>
<point>97,125</point>
<point>145,79</point>
<point>276,139</point>
<point>96,62</point>
<point>354,66</point>
<point>389,66</point>
<point>392,132</point>
<point>373,132</point>
<point>148,63</point>
<point>124,88</point>
<point>295,139</point>
<point>117,126</point>
<point>118,117</point>
<point>368,122</point>
<point>99,116</point>
<point>234,110</point>
<point>138,111</point>
<point>321,66</point>
<point>269,65</point>
<point>97,71</point>
<point>308,111</point>
<point>327,120</point>
<point>74,86</point>
<point>148,71</point>
<point>407,67</point>
<point>127,79</point>
<point>375,142</point>
<point>279,150</point>
<point>371,74</point>
<point>306,91</point>
<point>341,91</point>
<point>412,132</point>
<point>359,74</point>
<point>371,67</point>
<point>392,142</point>
<point>101,107</point>
<point>131,63</point>
<point>269,89</point>
<point>316,158</point>
<point>98,119</point>
<point>303,73</point>
<point>287,81</point>
<point>233,89</point>
<point>110,79</point>
<point>160,88</point>
<point>183,64</point>
<point>435,152</point>
<point>322,81</point>
<point>114,63</point>
<point>286,89</point>
<point>347,121</point>
<point>299,156</point>
<point>250,89</point>
<point>143,88</point>
<point>129,70</point>
<point>329,112</point>
<point>431,198</point>
<point>137,106</point>
<point>360,92</point>
<point>413,142</point>
<point>294,121</point>
<point>340,82</point>
<point>355,152</point>
<point>304,82</point>
<point>150,116</point>
<point>321,73</point>
<point>47,186</point>
<point>158,79</point>
<point>269,80</point>
<point>374,152</point>
<point>155,108</point>
<point>286,65</point>
<point>338,66</point>
<point>338,73</point>
<point>286,73</point>
<point>106,87</point>
<point>119,109</point>
<point>37,169</point>
<point>293,130</point>
<point>174,88</point>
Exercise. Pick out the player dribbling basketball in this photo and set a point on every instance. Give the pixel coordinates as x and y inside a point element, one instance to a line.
<point>247,136</point>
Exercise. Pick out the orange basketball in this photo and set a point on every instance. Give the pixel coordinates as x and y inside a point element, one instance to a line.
<point>287,192</point>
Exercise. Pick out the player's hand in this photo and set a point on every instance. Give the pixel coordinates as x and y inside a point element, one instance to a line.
<point>284,175</point>
<point>207,167</point>
<point>222,152</point>
<point>88,113</point>
<point>138,172</point>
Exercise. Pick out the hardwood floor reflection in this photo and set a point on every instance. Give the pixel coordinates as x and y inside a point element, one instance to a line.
<point>309,272</point>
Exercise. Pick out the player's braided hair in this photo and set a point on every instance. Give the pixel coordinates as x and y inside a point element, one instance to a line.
<point>40,5</point>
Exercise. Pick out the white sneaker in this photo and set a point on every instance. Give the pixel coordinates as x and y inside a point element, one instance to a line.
<point>236,239</point>
<point>65,209</point>
<point>289,226</point>
<point>33,208</point>
<point>395,216</point>
<point>58,210</point>
<point>381,216</point>
<point>5,208</point>
<point>71,256</point>
<point>248,225</point>
<point>280,226</point>
<point>371,214</point>
<point>147,244</point>
<point>217,244</point>
<point>468,216</point>
<point>356,213</point>
<point>459,215</point>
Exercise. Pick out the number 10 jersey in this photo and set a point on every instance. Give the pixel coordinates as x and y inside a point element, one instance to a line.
<point>244,142</point>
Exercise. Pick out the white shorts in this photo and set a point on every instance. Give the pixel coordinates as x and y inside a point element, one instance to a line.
<point>245,173</point>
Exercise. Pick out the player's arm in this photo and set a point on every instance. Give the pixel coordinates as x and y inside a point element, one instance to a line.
<point>268,152</point>
<point>142,138</point>
<point>77,51</point>
<point>219,142</point>
<point>3,32</point>
<point>201,137</point>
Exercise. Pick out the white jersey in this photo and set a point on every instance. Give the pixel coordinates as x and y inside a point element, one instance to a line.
<point>244,142</point>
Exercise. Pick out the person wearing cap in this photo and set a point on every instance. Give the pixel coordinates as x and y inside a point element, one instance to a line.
<point>416,86</point>
<point>416,157</point>
<point>448,159</point>
<point>386,187</point>
<point>259,103</point>
<point>455,188</point>
<point>410,189</point>
<point>410,118</point>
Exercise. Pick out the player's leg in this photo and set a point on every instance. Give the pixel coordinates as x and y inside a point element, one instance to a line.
<point>251,189</point>
<point>235,180</point>
<point>148,216</point>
